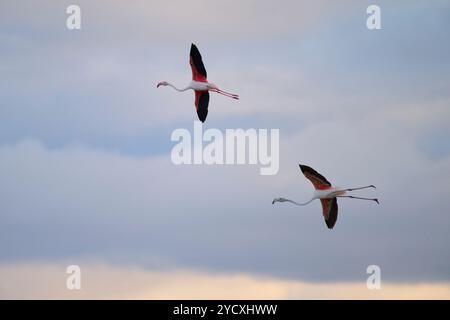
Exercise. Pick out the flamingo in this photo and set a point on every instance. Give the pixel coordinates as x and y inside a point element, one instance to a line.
<point>327,194</point>
<point>199,84</point>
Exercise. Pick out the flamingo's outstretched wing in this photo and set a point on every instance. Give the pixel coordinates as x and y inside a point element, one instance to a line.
<point>196,62</point>
<point>330,211</point>
<point>201,103</point>
<point>318,180</point>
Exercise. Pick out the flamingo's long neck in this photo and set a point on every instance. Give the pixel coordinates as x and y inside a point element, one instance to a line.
<point>179,90</point>
<point>307,202</point>
<point>300,204</point>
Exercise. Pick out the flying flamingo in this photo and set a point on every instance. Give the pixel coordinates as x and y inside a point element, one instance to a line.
<point>199,84</point>
<point>326,193</point>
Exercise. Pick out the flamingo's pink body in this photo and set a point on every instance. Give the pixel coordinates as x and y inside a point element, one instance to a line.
<point>199,84</point>
<point>326,193</point>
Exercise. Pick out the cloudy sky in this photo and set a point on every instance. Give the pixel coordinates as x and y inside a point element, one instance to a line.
<point>86,176</point>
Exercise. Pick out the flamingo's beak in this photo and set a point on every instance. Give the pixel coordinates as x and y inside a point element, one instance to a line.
<point>157,86</point>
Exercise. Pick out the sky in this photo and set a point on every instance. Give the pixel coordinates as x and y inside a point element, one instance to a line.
<point>86,176</point>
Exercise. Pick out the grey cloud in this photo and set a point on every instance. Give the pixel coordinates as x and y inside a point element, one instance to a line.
<point>92,94</point>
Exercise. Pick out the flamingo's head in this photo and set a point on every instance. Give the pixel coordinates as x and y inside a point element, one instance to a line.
<point>279,200</point>
<point>162,83</point>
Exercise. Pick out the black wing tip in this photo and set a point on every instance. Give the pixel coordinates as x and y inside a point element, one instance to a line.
<point>332,219</point>
<point>194,48</point>
<point>202,107</point>
<point>305,168</point>
<point>197,61</point>
<point>201,117</point>
<point>330,224</point>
